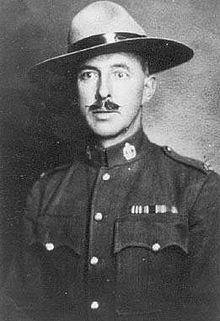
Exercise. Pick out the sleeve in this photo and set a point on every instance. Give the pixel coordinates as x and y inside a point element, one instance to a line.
<point>22,292</point>
<point>204,245</point>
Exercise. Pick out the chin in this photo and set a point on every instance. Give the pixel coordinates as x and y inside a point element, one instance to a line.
<point>107,131</point>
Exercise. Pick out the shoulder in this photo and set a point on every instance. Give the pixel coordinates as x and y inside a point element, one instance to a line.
<point>54,171</point>
<point>186,162</point>
<point>48,183</point>
<point>191,171</point>
<point>51,178</point>
<point>193,177</point>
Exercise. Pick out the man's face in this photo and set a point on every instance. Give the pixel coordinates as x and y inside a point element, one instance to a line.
<point>112,88</point>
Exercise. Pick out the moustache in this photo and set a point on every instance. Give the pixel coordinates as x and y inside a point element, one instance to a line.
<point>106,105</point>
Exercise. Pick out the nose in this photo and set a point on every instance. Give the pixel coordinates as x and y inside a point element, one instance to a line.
<point>103,88</point>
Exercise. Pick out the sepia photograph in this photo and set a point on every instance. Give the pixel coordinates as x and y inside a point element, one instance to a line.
<point>110,160</point>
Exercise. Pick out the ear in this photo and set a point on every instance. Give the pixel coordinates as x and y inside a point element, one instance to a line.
<point>149,88</point>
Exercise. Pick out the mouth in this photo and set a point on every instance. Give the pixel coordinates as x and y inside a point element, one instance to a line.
<point>105,111</point>
<point>104,115</point>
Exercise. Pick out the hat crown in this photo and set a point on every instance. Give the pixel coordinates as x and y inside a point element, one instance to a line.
<point>106,27</point>
<point>102,17</point>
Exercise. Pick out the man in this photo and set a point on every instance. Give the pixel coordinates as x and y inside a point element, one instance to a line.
<point>130,230</point>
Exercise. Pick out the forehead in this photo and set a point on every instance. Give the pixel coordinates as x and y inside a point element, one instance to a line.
<point>121,58</point>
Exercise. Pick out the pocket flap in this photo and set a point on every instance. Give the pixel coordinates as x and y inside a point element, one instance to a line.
<point>56,231</point>
<point>153,231</point>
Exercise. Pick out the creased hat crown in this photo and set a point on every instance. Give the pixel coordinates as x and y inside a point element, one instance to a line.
<point>102,17</point>
<point>105,27</point>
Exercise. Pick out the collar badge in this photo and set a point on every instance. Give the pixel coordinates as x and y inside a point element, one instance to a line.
<point>129,151</point>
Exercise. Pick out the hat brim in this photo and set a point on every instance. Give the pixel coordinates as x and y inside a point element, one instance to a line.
<point>161,54</point>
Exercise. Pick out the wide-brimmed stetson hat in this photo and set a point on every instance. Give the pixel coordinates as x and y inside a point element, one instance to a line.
<point>105,27</point>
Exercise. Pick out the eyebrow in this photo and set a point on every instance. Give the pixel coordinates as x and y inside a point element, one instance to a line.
<point>87,67</point>
<point>123,66</point>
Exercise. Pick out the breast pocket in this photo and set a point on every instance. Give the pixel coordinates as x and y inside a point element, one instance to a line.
<point>55,244</point>
<point>150,254</point>
<point>53,232</point>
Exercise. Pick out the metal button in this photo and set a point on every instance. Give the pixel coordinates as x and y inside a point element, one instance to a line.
<point>156,247</point>
<point>106,177</point>
<point>169,149</point>
<point>49,246</point>
<point>174,210</point>
<point>94,305</point>
<point>42,175</point>
<point>98,216</point>
<point>94,260</point>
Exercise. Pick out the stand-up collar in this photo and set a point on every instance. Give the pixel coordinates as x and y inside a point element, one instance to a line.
<point>122,153</point>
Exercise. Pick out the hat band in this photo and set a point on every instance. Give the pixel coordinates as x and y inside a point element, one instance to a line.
<point>105,38</point>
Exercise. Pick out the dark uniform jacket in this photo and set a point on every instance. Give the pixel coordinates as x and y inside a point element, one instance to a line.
<point>130,233</point>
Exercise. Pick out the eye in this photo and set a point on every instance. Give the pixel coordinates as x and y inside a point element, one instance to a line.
<point>120,74</point>
<point>87,75</point>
